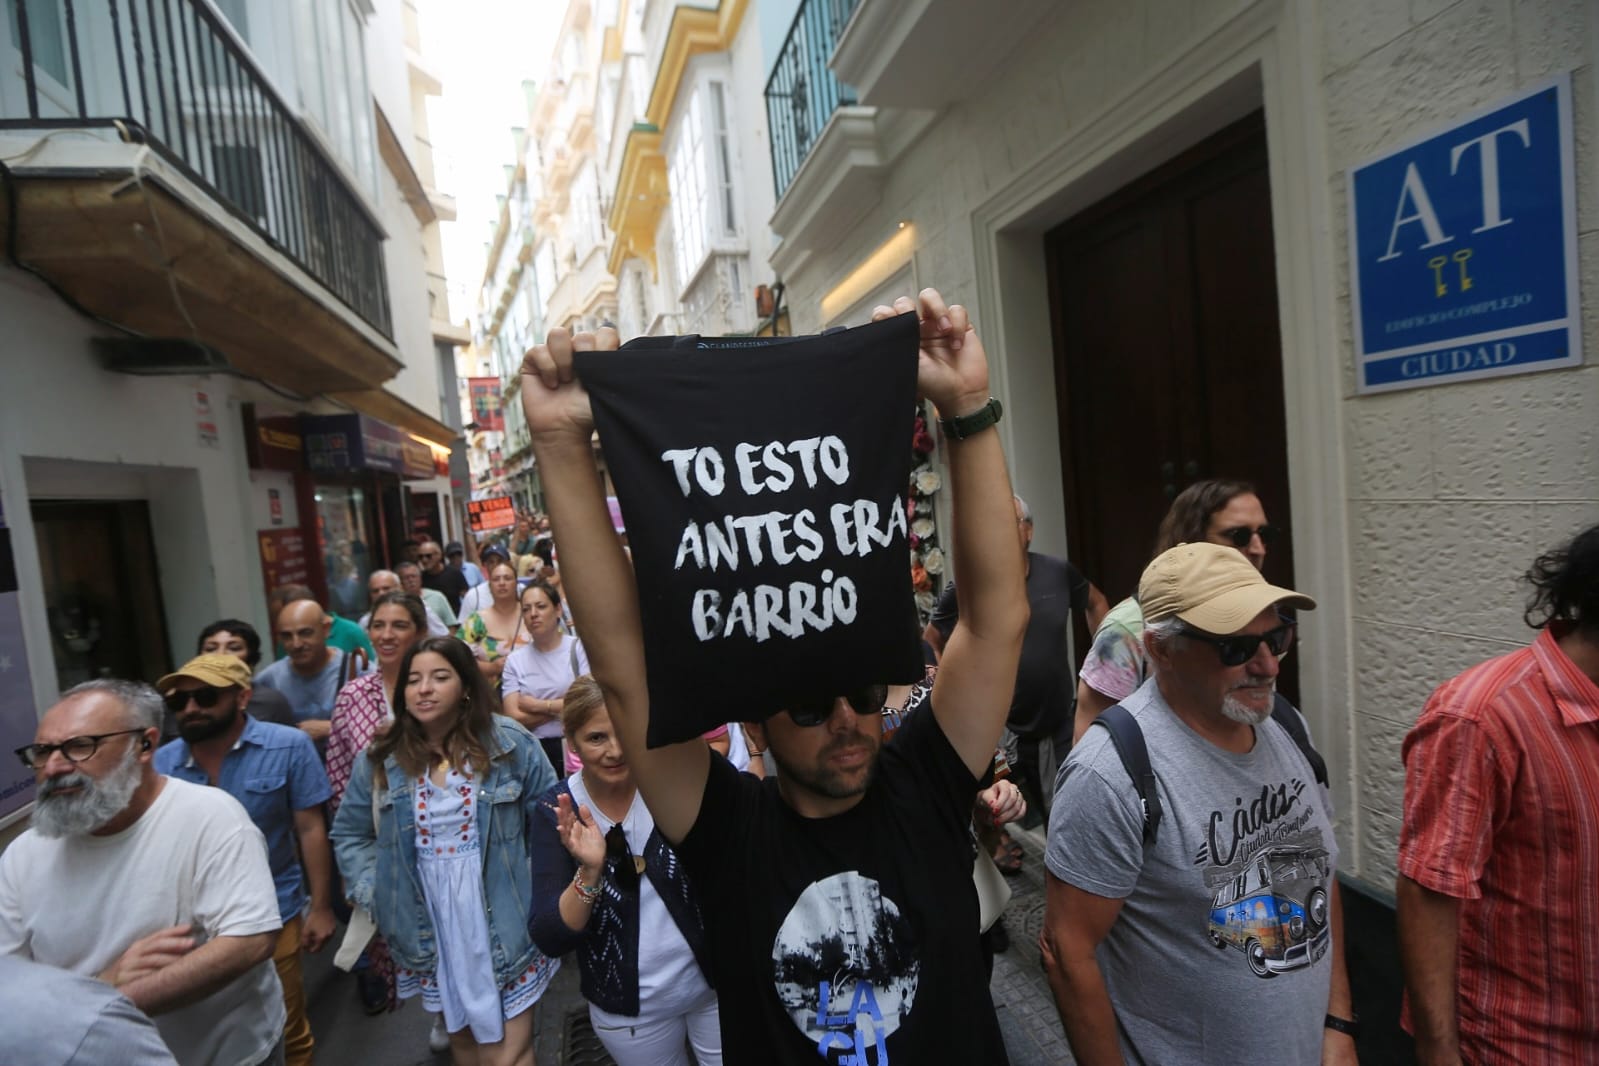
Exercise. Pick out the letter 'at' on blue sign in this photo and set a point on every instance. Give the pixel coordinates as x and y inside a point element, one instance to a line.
<point>1463,246</point>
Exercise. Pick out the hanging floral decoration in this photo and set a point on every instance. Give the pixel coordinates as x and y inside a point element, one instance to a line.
<point>927,557</point>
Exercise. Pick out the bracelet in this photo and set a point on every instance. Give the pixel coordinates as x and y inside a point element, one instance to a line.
<point>1347,1026</point>
<point>585,893</point>
<point>756,754</point>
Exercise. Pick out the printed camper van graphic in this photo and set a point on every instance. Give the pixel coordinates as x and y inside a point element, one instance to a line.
<point>1275,910</point>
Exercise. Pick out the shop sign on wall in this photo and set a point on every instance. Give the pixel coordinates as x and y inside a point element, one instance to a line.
<point>283,558</point>
<point>1463,249</point>
<point>352,442</point>
<point>17,715</point>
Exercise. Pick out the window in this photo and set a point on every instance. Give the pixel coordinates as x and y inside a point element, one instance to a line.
<point>47,39</point>
<point>686,178</point>
<point>722,159</point>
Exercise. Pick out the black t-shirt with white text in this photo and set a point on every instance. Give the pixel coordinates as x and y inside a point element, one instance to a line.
<point>849,939</point>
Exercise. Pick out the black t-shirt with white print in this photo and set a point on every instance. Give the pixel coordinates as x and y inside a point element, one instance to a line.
<point>850,939</point>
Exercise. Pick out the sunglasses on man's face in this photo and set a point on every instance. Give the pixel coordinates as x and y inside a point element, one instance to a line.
<point>205,697</point>
<point>1240,536</point>
<point>1238,649</point>
<point>815,710</point>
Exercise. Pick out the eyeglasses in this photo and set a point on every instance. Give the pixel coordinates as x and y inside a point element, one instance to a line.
<point>427,555</point>
<point>621,858</point>
<point>1238,649</point>
<point>814,710</point>
<point>1240,536</point>
<point>74,749</point>
<point>205,697</point>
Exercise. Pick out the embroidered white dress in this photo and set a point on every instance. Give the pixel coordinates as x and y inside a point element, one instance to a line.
<point>450,867</point>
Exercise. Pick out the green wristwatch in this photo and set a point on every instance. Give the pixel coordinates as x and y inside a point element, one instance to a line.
<point>970,425</point>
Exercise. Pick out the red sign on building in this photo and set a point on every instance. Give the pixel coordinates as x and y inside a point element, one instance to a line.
<point>486,412</point>
<point>496,512</point>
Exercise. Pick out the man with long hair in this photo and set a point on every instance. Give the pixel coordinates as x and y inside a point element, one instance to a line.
<point>1499,849</point>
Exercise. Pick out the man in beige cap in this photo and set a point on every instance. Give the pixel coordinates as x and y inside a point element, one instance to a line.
<point>273,770</point>
<point>158,887</point>
<point>1209,932</point>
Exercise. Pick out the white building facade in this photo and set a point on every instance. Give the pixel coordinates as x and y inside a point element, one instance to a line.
<point>221,370</point>
<point>1146,205</point>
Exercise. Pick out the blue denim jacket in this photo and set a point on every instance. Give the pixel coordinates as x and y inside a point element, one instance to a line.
<point>379,863</point>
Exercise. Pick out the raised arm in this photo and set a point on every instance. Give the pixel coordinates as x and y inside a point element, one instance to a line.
<point>598,578</point>
<point>977,669</point>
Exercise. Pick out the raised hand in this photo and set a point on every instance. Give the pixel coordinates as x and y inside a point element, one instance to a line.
<point>580,836</point>
<point>553,400</point>
<point>952,367</point>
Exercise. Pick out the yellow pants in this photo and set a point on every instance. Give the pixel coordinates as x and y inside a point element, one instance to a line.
<point>297,1041</point>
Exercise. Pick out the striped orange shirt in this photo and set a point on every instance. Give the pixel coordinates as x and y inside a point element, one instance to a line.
<point>1502,812</point>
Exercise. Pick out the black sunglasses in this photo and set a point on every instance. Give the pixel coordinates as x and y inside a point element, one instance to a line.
<point>73,749</point>
<point>205,697</point>
<point>811,711</point>
<point>620,857</point>
<point>1240,536</point>
<point>1238,649</point>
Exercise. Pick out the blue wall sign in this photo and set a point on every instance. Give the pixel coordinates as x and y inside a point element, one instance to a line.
<point>1463,249</point>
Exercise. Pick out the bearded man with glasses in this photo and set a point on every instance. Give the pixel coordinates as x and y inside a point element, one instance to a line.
<point>1209,880</point>
<point>158,887</point>
<point>273,770</point>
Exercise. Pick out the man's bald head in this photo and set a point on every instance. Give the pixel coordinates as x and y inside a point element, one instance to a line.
<point>430,555</point>
<point>303,628</point>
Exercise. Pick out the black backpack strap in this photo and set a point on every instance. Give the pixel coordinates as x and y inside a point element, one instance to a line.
<point>1134,753</point>
<point>1283,713</point>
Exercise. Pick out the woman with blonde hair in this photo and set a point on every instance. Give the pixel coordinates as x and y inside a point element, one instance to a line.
<point>607,885</point>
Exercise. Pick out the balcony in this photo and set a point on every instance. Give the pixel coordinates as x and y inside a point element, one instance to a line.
<point>830,155</point>
<point>899,53</point>
<point>187,197</point>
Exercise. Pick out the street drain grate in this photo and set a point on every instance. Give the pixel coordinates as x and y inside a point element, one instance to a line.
<point>579,1045</point>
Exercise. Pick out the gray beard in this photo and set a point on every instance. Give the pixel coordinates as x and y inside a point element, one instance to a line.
<point>99,802</point>
<point>1239,711</point>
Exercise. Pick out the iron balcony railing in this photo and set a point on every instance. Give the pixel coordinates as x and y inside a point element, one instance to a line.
<point>171,75</point>
<point>802,94</point>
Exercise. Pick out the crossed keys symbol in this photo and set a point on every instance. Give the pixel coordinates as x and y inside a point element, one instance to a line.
<point>1438,262</point>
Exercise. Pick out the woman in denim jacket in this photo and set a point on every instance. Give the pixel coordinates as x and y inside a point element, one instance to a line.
<point>445,868</point>
<point>607,884</point>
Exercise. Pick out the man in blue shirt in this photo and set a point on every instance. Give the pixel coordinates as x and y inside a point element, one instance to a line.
<point>274,772</point>
<point>310,673</point>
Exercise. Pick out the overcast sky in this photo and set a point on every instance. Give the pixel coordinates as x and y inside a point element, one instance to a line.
<point>483,50</point>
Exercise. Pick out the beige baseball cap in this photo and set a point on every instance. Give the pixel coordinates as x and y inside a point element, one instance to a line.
<point>1211,587</point>
<point>223,671</point>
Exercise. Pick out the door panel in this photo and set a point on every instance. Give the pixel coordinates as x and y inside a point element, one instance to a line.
<point>1169,362</point>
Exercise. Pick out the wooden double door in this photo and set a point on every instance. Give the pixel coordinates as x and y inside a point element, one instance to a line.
<point>1168,353</point>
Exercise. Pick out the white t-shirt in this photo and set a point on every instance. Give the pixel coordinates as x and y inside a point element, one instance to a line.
<point>80,902</point>
<point>544,675</point>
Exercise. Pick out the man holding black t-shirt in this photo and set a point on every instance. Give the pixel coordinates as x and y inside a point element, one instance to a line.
<point>838,899</point>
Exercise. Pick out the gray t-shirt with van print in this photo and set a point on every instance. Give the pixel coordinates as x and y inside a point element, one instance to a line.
<point>1221,952</point>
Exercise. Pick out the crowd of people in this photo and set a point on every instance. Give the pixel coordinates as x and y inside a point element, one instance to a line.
<point>456,790</point>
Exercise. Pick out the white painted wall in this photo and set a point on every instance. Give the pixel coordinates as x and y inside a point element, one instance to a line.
<point>69,429</point>
<point>1415,512</point>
